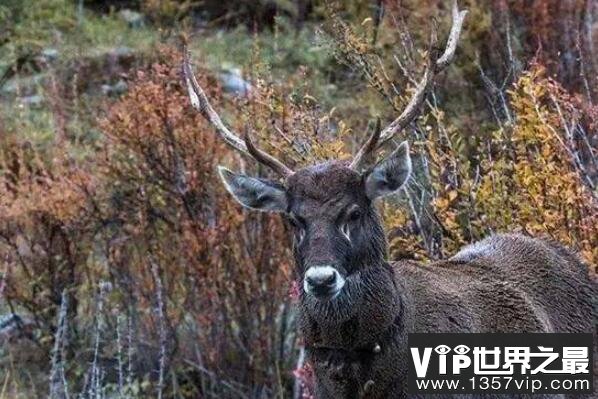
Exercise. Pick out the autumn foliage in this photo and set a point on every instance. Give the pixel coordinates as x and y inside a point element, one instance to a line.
<point>136,273</point>
<point>151,235</point>
<point>525,177</point>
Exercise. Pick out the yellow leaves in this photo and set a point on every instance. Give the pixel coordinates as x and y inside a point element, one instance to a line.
<point>393,216</point>
<point>330,150</point>
<point>538,189</point>
<point>447,199</point>
<point>526,180</point>
<point>441,204</point>
<point>452,195</point>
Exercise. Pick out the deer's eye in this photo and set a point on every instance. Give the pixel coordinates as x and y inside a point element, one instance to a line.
<point>354,215</point>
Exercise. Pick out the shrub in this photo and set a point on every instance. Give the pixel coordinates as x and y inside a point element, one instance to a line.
<point>147,241</point>
<point>525,177</point>
<point>142,277</point>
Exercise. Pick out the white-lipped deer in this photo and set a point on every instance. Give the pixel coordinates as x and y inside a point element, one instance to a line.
<point>356,308</point>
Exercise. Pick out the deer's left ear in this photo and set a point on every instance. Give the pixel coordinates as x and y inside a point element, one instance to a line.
<point>389,174</point>
<point>254,193</point>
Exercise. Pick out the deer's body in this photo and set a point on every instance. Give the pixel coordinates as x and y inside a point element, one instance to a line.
<point>356,309</point>
<point>506,283</point>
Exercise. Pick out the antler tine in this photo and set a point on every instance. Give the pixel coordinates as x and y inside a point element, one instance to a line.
<point>451,45</point>
<point>200,102</point>
<point>434,65</point>
<point>368,148</point>
<point>265,158</point>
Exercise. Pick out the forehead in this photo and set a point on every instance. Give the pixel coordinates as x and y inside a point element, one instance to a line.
<point>330,183</point>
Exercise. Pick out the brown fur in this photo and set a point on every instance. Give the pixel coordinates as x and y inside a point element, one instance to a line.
<point>525,285</point>
<point>505,283</point>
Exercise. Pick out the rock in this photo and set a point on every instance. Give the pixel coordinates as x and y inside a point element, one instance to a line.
<point>96,71</point>
<point>49,54</point>
<point>117,58</point>
<point>24,86</point>
<point>121,86</point>
<point>34,101</point>
<point>122,52</point>
<point>116,89</point>
<point>106,89</point>
<point>133,18</point>
<point>233,82</point>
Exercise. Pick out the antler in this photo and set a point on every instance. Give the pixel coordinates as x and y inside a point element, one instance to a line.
<point>200,102</point>
<point>434,65</point>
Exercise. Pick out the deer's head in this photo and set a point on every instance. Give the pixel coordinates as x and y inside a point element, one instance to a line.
<point>337,232</point>
<point>330,208</point>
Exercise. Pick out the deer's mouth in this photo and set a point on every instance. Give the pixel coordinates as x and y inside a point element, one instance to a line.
<point>323,282</point>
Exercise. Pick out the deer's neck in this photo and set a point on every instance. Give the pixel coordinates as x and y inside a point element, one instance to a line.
<point>369,308</point>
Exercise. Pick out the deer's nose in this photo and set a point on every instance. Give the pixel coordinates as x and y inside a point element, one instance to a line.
<point>324,282</point>
<point>318,278</point>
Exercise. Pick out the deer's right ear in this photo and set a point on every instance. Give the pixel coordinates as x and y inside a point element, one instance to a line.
<point>389,174</point>
<point>254,193</point>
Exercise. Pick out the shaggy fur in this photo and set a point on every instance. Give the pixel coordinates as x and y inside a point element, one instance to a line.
<point>505,283</point>
<point>357,341</point>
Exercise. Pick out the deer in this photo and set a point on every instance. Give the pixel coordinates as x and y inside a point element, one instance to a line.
<point>355,307</point>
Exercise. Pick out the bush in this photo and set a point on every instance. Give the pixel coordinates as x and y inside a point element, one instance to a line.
<point>177,278</point>
<point>133,271</point>
<point>526,177</point>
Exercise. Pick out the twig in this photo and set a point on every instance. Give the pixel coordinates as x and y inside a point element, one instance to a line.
<point>161,326</point>
<point>213,375</point>
<point>58,383</point>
